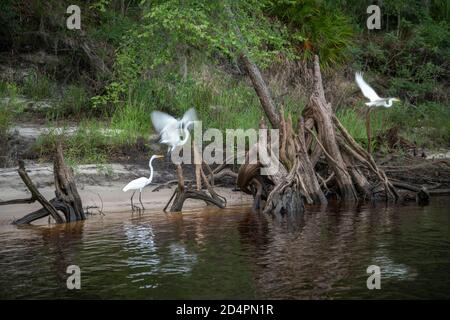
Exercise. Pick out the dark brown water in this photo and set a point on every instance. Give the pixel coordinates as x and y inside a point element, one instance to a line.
<point>235,254</point>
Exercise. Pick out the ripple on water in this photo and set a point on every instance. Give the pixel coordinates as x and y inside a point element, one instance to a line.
<point>235,254</point>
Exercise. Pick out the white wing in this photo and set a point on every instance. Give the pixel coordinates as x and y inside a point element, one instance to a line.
<point>367,90</point>
<point>136,184</point>
<point>190,115</point>
<point>162,120</point>
<point>170,135</point>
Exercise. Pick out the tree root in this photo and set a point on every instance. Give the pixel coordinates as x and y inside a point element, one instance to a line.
<point>182,193</point>
<point>319,132</point>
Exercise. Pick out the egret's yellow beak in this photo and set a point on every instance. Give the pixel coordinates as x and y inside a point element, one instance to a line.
<point>159,156</point>
<point>396,99</point>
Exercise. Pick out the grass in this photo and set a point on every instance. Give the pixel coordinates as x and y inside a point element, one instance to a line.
<point>86,145</point>
<point>222,102</point>
<point>73,102</point>
<point>93,142</point>
<point>131,121</point>
<point>355,124</point>
<point>10,108</point>
<point>9,90</point>
<point>5,120</point>
<point>38,87</point>
<point>426,125</point>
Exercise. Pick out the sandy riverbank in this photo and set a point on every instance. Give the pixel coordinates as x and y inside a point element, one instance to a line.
<point>99,187</point>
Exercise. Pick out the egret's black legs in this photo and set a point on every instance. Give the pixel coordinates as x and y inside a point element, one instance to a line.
<point>132,205</point>
<point>140,193</point>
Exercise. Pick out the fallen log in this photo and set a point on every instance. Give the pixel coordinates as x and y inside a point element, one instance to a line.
<point>35,194</point>
<point>439,192</point>
<point>17,201</point>
<point>41,213</point>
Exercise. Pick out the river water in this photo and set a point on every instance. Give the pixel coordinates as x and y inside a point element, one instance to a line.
<point>235,254</point>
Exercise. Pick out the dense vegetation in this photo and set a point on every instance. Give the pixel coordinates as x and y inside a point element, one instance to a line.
<point>171,55</point>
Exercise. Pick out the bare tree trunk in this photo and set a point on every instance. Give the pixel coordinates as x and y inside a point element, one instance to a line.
<point>297,178</point>
<point>323,114</point>
<point>311,184</point>
<point>65,187</point>
<point>262,91</point>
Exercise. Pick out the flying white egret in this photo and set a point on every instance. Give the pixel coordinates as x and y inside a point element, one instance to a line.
<point>374,101</point>
<point>141,183</point>
<point>169,128</point>
<point>369,93</point>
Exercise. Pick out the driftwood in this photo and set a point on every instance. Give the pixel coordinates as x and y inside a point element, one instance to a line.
<point>67,199</point>
<point>183,192</point>
<point>36,195</point>
<point>41,213</point>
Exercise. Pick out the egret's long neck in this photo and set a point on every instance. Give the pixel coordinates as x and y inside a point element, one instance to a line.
<point>186,133</point>
<point>151,171</point>
<point>389,103</point>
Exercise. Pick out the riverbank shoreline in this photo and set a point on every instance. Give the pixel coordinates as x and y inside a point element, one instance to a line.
<point>100,188</point>
<point>100,185</point>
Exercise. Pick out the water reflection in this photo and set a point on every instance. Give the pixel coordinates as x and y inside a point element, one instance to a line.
<point>147,257</point>
<point>235,253</point>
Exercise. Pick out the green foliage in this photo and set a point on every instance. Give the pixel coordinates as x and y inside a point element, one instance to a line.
<point>74,101</point>
<point>171,30</point>
<point>6,118</point>
<point>316,28</point>
<point>131,121</point>
<point>100,5</point>
<point>427,125</point>
<point>9,90</point>
<point>38,86</point>
<point>113,24</point>
<point>87,145</point>
<point>173,55</point>
<point>414,56</point>
<point>10,105</point>
<point>212,26</point>
<point>355,124</point>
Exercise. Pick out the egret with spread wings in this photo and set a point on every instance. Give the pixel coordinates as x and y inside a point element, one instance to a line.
<point>170,128</point>
<point>369,93</point>
<point>374,101</point>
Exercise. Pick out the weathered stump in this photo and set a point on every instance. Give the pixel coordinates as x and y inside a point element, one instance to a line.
<point>67,199</point>
<point>65,188</point>
<point>182,193</point>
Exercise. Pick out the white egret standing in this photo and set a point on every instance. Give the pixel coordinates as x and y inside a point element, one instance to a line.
<point>374,101</point>
<point>169,128</point>
<point>141,183</point>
